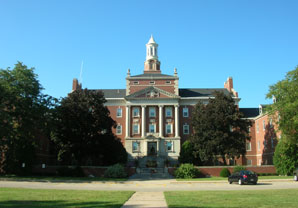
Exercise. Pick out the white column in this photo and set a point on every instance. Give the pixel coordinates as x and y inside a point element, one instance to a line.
<point>127,127</point>
<point>176,120</point>
<point>161,121</point>
<point>143,120</point>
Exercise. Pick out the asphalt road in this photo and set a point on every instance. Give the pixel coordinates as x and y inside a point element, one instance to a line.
<point>152,185</point>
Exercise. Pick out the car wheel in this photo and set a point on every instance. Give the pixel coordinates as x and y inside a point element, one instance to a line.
<point>255,183</point>
<point>230,182</point>
<point>295,178</point>
<point>240,182</point>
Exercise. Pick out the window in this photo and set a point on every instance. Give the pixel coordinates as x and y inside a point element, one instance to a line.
<point>152,112</point>
<point>152,128</point>
<point>119,112</point>
<point>151,82</point>
<point>136,112</point>
<point>264,126</point>
<point>119,129</point>
<point>185,129</point>
<point>136,82</point>
<point>270,122</point>
<point>272,142</point>
<point>248,162</point>
<point>259,145</point>
<point>185,112</point>
<point>168,112</point>
<point>135,146</point>
<point>168,82</point>
<point>249,130</point>
<point>248,146</point>
<point>135,128</point>
<point>260,162</point>
<point>169,146</point>
<point>258,128</point>
<point>168,128</point>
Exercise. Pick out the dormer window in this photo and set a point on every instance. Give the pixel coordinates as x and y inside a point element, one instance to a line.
<point>152,82</point>
<point>168,82</point>
<point>136,82</point>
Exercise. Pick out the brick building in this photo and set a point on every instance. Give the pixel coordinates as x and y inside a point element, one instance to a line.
<point>153,113</point>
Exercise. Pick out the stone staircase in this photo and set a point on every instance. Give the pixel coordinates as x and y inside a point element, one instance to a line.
<point>151,173</point>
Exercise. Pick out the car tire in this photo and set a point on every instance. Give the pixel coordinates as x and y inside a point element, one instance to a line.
<point>230,182</point>
<point>240,182</point>
<point>255,183</point>
<point>295,178</point>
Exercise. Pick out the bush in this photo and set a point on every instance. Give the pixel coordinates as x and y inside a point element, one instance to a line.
<point>187,171</point>
<point>238,168</point>
<point>225,172</point>
<point>115,171</point>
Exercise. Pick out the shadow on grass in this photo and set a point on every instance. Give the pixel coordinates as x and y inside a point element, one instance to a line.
<point>56,204</point>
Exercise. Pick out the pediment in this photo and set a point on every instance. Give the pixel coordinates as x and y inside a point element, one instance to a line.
<point>151,93</point>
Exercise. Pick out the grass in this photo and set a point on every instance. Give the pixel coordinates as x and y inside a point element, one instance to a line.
<point>58,178</point>
<point>33,198</point>
<point>224,179</point>
<point>286,198</point>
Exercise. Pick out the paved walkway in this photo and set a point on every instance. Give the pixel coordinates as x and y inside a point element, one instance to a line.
<point>146,199</point>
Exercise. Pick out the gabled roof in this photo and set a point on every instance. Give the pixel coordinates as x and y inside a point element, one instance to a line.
<point>149,89</point>
<point>250,112</point>
<point>198,92</point>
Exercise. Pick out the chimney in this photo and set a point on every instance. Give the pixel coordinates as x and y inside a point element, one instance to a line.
<point>76,85</point>
<point>229,86</point>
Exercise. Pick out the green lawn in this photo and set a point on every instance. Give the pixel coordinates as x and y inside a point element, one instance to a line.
<point>219,199</point>
<point>58,178</point>
<point>32,198</point>
<point>225,179</point>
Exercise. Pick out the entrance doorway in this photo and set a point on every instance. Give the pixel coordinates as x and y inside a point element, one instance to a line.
<point>152,148</point>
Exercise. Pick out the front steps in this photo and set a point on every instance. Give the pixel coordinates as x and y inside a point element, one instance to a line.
<point>151,174</point>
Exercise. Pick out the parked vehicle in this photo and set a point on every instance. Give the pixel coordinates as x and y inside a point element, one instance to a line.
<point>295,173</point>
<point>243,176</point>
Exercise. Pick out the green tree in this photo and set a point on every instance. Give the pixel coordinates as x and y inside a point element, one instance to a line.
<point>22,111</point>
<point>284,110</point>
<point>219,129</point>
<point>83,132</point>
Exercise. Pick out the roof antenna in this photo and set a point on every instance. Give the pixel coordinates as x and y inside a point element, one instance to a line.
<point>81,72</point>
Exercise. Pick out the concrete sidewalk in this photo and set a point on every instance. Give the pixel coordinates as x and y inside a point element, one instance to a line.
<point>146,199</point>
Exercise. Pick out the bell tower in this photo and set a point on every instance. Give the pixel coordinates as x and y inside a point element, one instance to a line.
<point>151,65</point>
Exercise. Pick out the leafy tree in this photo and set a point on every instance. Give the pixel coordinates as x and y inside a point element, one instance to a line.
<point>83,132</point>
<point>219,129</point>
<point>187,154</point>
<point>284,110</point>
<point>22,115</point>
<point>285,93</point>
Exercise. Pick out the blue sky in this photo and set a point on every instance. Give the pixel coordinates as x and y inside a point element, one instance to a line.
<point>254,41</point>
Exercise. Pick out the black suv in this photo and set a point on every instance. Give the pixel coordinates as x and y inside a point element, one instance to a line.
<point>243,176</point>
<point>295,173</point>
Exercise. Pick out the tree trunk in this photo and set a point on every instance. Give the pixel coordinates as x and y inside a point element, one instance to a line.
<point>224,159</point>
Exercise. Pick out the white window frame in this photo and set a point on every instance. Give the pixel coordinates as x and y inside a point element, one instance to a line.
<point>152,109</point>
<point>270,122</point>
<point>248,146</point>
<point>168,82</point>
<point>154,128</point>
<point>185,129</point>
<point>185,112</point>
<point>259,145</point>
<point>170,111</point>
<point>152,82</point>
<point>119,129</point>
<point>119,112</point>
<point>138,146</point>
<point>172,146</point>
<point>171,128</point>
<point>258,128</point>
<point>249,162</point>
<point>135,112</point>
<point>264,125</point>
<point>133,128</point>
<point>136,82</point>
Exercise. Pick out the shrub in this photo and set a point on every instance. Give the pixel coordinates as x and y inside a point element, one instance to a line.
<point>187,171</point>
<point>238,168</point>
<point>225,172</point>
<point>115,171</point>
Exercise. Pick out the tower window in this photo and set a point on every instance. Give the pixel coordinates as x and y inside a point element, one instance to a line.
<point>135,82</point>
<point>168,82</point>
<point>151,52</point>
<point>152,82</point>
